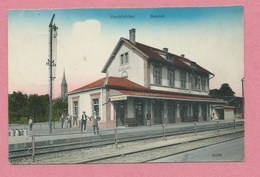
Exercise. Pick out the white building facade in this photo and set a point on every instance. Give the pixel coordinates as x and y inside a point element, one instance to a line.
<point>141,79</point>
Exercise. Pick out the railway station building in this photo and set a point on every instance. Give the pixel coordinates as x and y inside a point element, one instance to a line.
<point>141,79</point>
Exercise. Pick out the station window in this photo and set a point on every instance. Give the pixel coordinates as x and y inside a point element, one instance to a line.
<point>121,59</point>
<point>203,84</point>
<point>157,74</point>
<point>75,108</point>
<point>96,105</point>
<point>199,83</point>
<point>193,82</point>
<point>183,79</point>
<point>171,77</point>
<point>124,58</point>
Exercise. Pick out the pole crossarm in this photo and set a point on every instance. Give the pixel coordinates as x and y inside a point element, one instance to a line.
<point>51,22</point>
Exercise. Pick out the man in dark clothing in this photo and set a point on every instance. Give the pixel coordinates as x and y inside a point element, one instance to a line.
<point>95,123</point>
<point>68,119</point>
<point>84,122</point>
<point>148,118</point>
<point>75,120</point>
<point>62,120</point>
<point>30,122</point>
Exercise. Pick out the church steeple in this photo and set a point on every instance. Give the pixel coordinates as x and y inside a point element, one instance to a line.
<point>64,86</point>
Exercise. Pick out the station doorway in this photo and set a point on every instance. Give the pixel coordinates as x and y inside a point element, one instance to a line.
<point>139,112</point>
<point>120,108</point>
<point>204,112</point>
<point>171,112</point>
<point>220,113</point>
<point>157,111</point>
<point>195,109</point>
<point>184,112</point>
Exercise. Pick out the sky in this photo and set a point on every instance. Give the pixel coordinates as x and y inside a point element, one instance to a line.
<point>213,37</point>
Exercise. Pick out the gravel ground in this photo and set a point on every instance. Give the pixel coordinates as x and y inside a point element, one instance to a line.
<point>77,156</point>
<point>163,152</point>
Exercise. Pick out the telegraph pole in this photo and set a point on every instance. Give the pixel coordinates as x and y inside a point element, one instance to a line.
<point>243,99</point>
<point>52,29</point>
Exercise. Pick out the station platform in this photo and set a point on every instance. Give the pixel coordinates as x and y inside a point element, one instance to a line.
<point>60,135</point>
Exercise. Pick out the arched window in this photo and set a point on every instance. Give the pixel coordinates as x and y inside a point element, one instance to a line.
<point>124,74</point>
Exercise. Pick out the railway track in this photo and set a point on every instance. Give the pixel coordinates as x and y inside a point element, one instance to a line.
<point>105,141</point>
<point>161,151</point>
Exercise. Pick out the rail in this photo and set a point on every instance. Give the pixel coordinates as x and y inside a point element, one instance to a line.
<point>116,139</point>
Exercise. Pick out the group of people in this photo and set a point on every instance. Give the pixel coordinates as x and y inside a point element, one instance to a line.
<point>68,121</point>
<point>94,118</point>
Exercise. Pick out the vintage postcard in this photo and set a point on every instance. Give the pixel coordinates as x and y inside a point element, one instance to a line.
<point>128,85</point>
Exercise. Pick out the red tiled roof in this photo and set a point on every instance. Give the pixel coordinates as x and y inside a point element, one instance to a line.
<point>117,82</point>
<point>95,84</point>
<point>112,82</point>
<point>168,95</point>
<point>153,54</point>
<point>128,87</point>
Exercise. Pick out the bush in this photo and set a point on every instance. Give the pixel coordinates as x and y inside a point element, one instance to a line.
<point>24,120</point>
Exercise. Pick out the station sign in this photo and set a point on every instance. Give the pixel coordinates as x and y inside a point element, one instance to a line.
<point>118,98</point>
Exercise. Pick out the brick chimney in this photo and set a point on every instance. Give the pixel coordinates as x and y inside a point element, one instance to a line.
<point>132,35</point>
<point>165,49</point>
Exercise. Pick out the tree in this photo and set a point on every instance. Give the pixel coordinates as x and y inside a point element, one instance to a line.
<point>60,106</point>
<point>17,103</point>
<point>215,93</point>
<point>38,107</point>
<point>22,106</point>
<point>225,92</point>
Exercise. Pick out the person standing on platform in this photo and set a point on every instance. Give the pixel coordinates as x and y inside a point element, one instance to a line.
<point>75,120</point>
<point>62,120</point>
<point>95,120</point>
<point>30,123</point>
<point>148,118</point>
<point>68,118</point>
<point>84,122</point>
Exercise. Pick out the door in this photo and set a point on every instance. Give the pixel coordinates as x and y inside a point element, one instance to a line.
<point>171,112</point>
<point>184,112</point>
<point>120,113</point>
<point>157,111</point>
<point>139,112</point>
<point>204,112</point>
<point>195,112</point>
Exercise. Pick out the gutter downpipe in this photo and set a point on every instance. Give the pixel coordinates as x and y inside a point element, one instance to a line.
<point>213,75</point>
<point>101,115</point>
